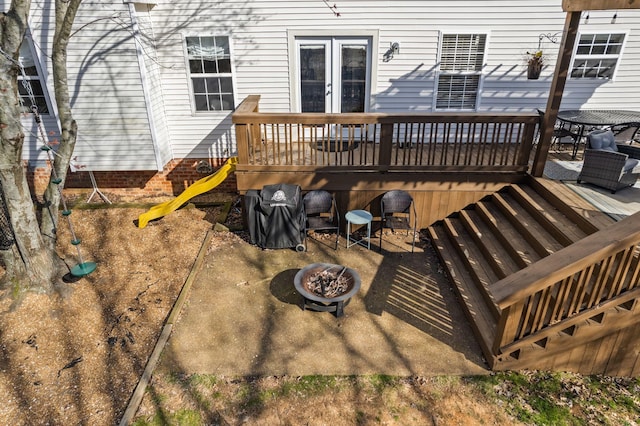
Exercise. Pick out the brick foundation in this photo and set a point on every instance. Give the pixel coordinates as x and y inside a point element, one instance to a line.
<point>176,176</point>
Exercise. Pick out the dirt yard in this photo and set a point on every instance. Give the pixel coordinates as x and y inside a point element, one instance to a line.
<point>75,357</point>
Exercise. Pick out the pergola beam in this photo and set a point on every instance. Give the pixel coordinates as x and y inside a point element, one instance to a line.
<point>570,32</point>
<point>580,5</point>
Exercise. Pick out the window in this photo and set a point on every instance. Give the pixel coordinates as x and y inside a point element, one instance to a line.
<point>461,59</point>
<point>597,55</point>
<point>210,73</point>
<point>32,79</point>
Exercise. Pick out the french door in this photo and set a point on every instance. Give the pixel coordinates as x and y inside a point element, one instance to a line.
<point>334,74</point>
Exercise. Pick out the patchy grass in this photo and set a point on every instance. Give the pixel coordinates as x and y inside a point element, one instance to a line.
<point>539,398</point>
<point>544,398</point>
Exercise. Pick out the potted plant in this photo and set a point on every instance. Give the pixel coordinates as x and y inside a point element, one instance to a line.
<point>535,62</point>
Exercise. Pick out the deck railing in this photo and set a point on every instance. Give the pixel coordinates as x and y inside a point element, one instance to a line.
<point>576,279</point>
<point>473,142</point>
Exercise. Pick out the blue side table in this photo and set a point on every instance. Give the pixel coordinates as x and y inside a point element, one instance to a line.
<point>359,217</point>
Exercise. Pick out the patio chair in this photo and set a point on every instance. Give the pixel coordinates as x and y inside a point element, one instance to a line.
<point>605,165</point>
<point>627,139</point>
<point>561,131</point>
<point>626,133</point>
<point>321,213</point>
<point>398,211</point>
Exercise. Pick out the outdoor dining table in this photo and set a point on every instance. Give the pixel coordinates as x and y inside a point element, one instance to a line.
<point>595,119</point>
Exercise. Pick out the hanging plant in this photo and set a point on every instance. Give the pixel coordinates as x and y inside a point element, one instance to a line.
<point>535,62</point>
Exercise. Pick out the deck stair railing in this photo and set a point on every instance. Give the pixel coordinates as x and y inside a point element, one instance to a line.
<point>579,285</point>
<point>470,142</point>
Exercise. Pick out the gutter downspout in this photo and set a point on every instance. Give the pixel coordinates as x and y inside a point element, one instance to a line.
<point>145,85</point>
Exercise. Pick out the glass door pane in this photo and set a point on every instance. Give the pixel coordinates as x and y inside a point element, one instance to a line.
<point>313,78</point>
<point>354,77</point>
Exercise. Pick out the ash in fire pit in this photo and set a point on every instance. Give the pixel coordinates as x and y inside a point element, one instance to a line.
<point>328,283</point>
<point>326,287</point>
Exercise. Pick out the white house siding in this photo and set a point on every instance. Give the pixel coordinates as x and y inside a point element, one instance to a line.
<point>105,86</point>
<point>106,90</point>
<point>110,104</point>
<point>406,83</point>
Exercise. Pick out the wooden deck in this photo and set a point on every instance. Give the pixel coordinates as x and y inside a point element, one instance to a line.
<point>547,280</point>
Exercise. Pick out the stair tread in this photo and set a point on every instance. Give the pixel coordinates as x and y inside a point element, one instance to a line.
<point>527,225</point>
<point>549,217</point>
<point>589,216</point>
<point>524,250</point>
<point>471,255</point>
<point>482,320</point>
<point>492,244</point>
<point>567,225</point>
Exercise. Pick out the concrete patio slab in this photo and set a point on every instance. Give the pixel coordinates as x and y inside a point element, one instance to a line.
<point>243,316</point>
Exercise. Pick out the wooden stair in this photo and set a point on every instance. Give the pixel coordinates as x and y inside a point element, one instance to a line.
<point>504,233</point>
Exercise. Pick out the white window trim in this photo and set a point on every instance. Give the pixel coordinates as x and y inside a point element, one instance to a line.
<point>481,73</point>
<point>574,56</point>
<point>192,99</point>
<point>41,78</point>
<point>292,35</point>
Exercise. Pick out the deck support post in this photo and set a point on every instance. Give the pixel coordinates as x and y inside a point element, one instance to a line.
<point>570,32</point>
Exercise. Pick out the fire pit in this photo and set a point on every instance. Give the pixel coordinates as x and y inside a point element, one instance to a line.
<point>326,287</point>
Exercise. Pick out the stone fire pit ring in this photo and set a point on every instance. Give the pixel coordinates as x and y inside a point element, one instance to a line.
<point>316,302</point>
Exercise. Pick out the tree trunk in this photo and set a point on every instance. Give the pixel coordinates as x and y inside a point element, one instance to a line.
<point>29,263</point>
<point>66,11</point>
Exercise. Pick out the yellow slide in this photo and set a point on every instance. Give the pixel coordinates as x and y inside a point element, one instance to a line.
<point>199,187</point>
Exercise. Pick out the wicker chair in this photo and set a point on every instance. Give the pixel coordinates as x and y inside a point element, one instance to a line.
<point>398,211</point>
<point>627,138</point>
<point>604,163</point>
<point>321,213</point>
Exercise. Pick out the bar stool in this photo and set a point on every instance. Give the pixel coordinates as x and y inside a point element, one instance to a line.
<point>359,217</point>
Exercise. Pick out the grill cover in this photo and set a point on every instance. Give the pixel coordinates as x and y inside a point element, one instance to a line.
<point>275,216</point>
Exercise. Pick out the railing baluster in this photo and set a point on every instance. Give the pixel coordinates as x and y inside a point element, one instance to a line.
<point>419,144</point>
<point>504,151</point>
<point>604,269</point>
<point>634,280</point>
<point>446,130</point>
<point>622,267</point>
<point>408,142</point>
<point>386,142</point>
<point>433,132</point>
<point>483,144</point>
<point>559,304</point>
<point>469,143</point>
<point>582,287</point>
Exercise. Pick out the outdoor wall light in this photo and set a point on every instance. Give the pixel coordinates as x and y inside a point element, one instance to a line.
<point>394,49</point>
